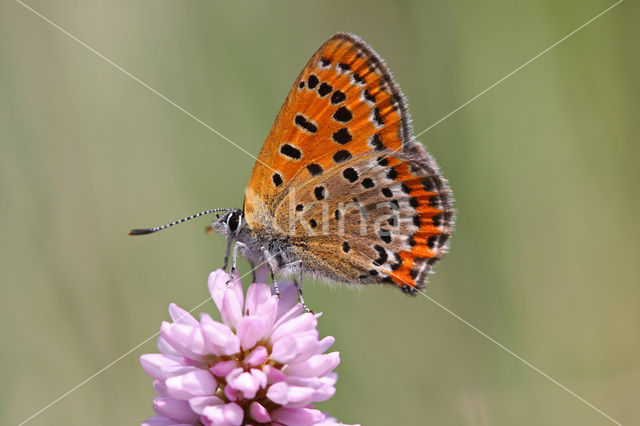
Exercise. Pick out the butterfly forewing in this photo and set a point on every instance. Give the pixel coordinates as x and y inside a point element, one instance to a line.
<point>343,93</point>
<point>339,155</point>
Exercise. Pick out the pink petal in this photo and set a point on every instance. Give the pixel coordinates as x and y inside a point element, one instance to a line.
<point>231,393</point>
<point>214,416</point>
<point>260,376</point>
<point>199,403</point>
<point>186,339</point>
<point>299,396</point>
<point>326,343</point>
<point>219,338</point>
<point>317,365</point>
<point>260,302</point>
<point>299,324</point>
<point>244,382</point>
<point>273,374</point>
<point>222,368</point>
<point>166,348</point>
<point>278,393</point>
<point>307,345</point>
<point>189,385</point>
<point>329,379</point>
<point>259,413</point>
<point>284,349</point>
<point>162,367</point>
<point>257,357</point>
<point>251,329</point>
<point>295,311</point>
<point>257,294</point>
<point>160,388</point>
<point>222,415</point>
<point>236,286</point>
<point>323,393</point>
<point>291,396</point>
<point>268,310</point>
<point>175,409</point>
<point>234,414</point>
<point>296,348</point>
<point>297,416</point>
<point>158,421</point>
<point>288,297</point>
<point>307,382</point>
<point>231,311</point>
<point>330,421</point>
<point>217,284</point>
<point>180,316</point>
<point>313,382</point>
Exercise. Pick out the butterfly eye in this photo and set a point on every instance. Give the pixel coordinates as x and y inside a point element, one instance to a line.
<point>233,221</point>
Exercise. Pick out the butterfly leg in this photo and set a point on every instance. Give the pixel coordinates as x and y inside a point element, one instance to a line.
<point>276,289</point>
<point>226,253</point>
<point>298,283</point>
<point>235,255</point>
<point>268,259</point>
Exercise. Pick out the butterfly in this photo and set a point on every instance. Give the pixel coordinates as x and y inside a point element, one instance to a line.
<point>340,189</point>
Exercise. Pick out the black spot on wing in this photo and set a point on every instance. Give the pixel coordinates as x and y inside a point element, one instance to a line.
<point>392,174</point>
<point>342,114</point>
<point>342,136</point>
<point>319,192</point>
<point>290,151</point>
<point>324,89</point>
<point>312,81</point>
<point>384,235</point>
<point>341,156</point>
<point>307,125</point>
<point>357,78</point>
<point>337,97</point>
<point>350,174</point>
<point>314,169</point>
<point>367,183</point>
<point>377,118</point>
<point>376,142</point>
<point>368,96</point>
<point>382,255</point>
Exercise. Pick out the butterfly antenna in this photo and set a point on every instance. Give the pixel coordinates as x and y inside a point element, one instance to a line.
<point>143,231</point>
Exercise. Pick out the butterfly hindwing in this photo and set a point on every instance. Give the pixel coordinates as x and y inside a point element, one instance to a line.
<point>382,217</point>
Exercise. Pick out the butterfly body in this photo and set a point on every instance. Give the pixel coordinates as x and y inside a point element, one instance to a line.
<point>341,190</point>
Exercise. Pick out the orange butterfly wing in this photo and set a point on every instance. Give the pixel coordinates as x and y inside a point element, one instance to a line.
<point>296,142</point>
<point>345,105</point>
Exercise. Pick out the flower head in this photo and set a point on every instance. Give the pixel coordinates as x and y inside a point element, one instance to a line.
<point>263,364</point>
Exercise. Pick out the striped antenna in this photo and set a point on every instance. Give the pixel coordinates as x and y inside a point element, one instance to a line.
<point>143,231</point>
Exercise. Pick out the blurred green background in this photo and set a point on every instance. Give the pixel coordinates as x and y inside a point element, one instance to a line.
<point>544,169</point>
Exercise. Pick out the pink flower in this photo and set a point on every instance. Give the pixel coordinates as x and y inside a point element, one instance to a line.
<point>263,365</point>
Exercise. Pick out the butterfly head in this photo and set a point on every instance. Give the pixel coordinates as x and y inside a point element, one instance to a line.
<point>229,224</point>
